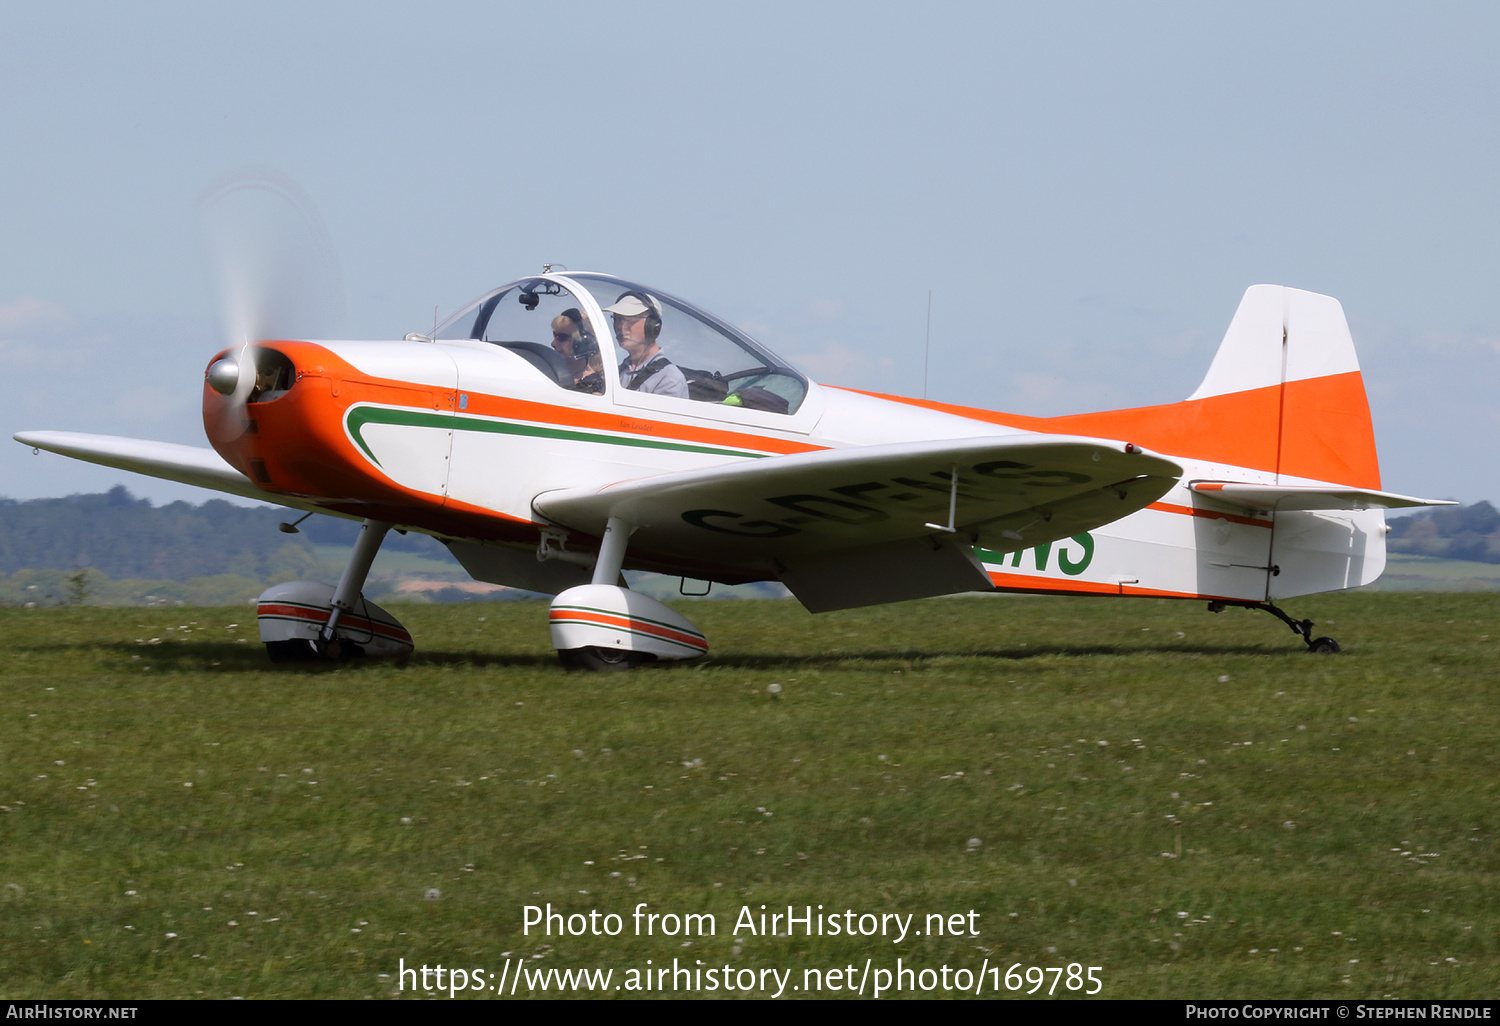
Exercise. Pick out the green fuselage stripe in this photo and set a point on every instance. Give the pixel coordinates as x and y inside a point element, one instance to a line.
<point>360,416</point>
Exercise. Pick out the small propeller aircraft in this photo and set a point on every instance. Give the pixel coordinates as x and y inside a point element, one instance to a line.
<point>546,460</point>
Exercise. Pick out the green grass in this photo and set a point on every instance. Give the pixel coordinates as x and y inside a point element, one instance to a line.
<point>1260,823</point>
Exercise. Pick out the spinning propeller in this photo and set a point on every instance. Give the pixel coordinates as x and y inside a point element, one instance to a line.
<point>277,276</point>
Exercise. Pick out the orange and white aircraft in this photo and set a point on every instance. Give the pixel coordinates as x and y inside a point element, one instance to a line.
<point>547,461</point>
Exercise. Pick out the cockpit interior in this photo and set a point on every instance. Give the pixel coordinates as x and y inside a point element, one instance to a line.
<point>559,326</point>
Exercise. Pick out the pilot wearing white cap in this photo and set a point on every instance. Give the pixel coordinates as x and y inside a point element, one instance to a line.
<point>637,318</point>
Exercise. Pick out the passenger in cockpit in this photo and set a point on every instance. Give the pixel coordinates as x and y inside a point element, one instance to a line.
<point>637,317</point>
<point>574,343</point>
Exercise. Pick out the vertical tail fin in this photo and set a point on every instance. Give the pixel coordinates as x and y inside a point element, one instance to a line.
<point>1294,348</point>
<point>1283,396</point>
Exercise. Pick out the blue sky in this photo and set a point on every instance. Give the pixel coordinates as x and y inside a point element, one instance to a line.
<point>1086,189</point>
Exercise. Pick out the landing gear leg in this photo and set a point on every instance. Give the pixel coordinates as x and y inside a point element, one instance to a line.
<point>1301,628</point>
<point>612,551</point>
<point>606,571</point>
<point>371,534</point>
<point>603,626</point>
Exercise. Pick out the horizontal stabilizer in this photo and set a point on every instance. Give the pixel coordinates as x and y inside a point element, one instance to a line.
<point>1307,497</point>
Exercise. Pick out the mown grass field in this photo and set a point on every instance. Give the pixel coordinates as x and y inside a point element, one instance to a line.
<point>1189,801</point>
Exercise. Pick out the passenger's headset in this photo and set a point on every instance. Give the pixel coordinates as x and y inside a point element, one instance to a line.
<point>584,344</point>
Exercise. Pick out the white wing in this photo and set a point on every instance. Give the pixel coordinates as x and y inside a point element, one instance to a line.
<point>187,464</point>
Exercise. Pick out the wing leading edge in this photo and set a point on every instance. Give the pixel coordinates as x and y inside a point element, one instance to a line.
<point>186,464</point>
<point>872,524</point>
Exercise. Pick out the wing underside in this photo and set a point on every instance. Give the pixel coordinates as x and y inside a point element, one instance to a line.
<point>860,526</point>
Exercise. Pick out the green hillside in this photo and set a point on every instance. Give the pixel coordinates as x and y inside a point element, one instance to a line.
<point>115,549</point>
<point>1465,533</point>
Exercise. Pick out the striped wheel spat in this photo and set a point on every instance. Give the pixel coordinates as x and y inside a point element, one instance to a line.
<point>318,616</point>
<point>646,628</point>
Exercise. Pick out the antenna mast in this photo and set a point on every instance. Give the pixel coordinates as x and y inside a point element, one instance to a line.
<point>927,345</point>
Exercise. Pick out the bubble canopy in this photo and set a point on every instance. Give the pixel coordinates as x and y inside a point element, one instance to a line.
<point>680,351</point>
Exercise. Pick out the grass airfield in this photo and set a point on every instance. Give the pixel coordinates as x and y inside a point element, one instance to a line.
<point>1189,801</point>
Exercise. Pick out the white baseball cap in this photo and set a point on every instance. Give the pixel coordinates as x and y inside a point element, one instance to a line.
<point>633,304</point>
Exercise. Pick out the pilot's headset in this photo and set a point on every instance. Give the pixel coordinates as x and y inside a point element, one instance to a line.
<point>585,345</point>
<point>653,311</point>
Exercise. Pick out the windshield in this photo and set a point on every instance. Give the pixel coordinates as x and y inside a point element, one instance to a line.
<point>544,324</point>
<point>667,346</point>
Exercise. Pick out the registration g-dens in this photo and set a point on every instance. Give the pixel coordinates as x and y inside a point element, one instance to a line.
<point>570,425</point>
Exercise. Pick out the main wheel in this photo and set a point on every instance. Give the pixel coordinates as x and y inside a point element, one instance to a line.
<point>292,651</point>
<point>338,650</point>
<point>1323,646</point>
<point>600,660</point>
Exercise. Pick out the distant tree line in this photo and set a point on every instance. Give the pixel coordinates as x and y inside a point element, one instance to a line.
<point>126,537</point>
<point>1451,532</point>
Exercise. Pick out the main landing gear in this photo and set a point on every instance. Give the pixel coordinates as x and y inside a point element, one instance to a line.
<point>302,621</point>
<point>602,626</point>
<point>1301,628</point>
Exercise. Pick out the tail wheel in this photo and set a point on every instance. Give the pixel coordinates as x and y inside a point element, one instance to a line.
<point>601,660</point>
<point>1323,646</point>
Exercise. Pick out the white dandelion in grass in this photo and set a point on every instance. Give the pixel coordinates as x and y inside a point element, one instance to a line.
<point>773,688</point>
<point>433,894</point>
<point>973,844</point>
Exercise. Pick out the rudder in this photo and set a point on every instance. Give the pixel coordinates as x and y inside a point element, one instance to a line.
<point>1293,350</point>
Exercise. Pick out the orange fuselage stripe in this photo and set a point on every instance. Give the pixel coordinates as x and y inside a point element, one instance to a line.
<point>1325,421</point>
<point>1021,582</point>
<point>1207,514</point>
<point>621,422</point>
